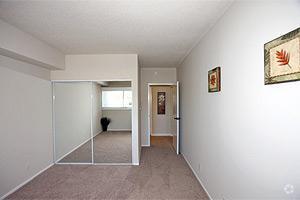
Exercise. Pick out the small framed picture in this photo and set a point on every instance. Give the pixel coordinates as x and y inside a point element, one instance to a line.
<point>282,58</point>
<point>161,103</point>
<point>214,80</point>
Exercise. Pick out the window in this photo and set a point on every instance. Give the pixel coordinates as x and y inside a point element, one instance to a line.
<point>115,98</point>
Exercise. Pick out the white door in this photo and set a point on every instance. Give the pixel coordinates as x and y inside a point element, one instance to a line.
<point>176,117</point>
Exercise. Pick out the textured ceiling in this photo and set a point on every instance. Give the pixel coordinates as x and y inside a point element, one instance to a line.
<point>161,32</point>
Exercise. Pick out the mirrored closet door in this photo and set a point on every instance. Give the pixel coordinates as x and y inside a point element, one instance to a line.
<point>72,121</point>
<point>113,144</point>
<point>79,108</point>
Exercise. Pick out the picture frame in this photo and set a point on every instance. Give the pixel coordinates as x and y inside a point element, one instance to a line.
<point>282,58</point>
<point>161,103</point>
<point>214,80</point>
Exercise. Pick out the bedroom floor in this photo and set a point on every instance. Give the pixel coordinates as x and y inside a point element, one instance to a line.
<point>161,175</point>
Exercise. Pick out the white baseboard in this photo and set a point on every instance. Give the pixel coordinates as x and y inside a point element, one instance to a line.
<point>114,164</point>
<point>189,164</point>
<point>73,150</point>
<point>161,134</point>
<point>25,182</point>
<point>76,147</point>
<point>119,130</point>
<point>97,134</point>
<point>145,145</point>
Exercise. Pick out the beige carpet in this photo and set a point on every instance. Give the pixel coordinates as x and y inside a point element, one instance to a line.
<point>109,147</point>
<point>161,175</point>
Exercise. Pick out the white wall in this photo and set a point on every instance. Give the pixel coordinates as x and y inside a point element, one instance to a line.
<point>26,145</point>
<point>97,110</point>
<point>246,137</point>
<point>120,119</point>
<point>22,46</point>
<point>161,123</point>
<point>107,67</point>
<point>152,75</point>
<point>72,110</point>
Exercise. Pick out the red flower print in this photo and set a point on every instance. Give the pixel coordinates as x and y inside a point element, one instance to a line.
<point>213,80</point>
<point>283,58</point>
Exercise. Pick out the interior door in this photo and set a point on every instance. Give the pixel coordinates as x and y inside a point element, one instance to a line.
<point>176,117</point>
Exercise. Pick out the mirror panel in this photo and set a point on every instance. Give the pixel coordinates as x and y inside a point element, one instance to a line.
<point>112,101</point>
<point>79,134</point>
<point>72,110</point>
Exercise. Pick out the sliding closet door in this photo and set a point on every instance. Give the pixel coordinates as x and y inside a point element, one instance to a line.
<point>72,122</point>
<point>112,146</point>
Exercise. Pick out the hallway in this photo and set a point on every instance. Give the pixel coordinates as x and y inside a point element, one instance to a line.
<point>161,175</point>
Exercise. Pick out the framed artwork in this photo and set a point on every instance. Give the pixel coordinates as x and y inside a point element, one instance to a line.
<point>282,58</point>
<point>214,80</point>
<point>161,103</point>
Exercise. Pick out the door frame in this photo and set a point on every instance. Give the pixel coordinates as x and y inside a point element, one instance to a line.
<point>91,123</point>
<point>149,111</point>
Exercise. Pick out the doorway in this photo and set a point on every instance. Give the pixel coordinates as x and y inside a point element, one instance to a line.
<point>163,113</point>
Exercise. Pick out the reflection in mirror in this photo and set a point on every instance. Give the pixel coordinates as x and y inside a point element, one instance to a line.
<point>79,135</point>
<point>112,100</point>
<point>72,120</point>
